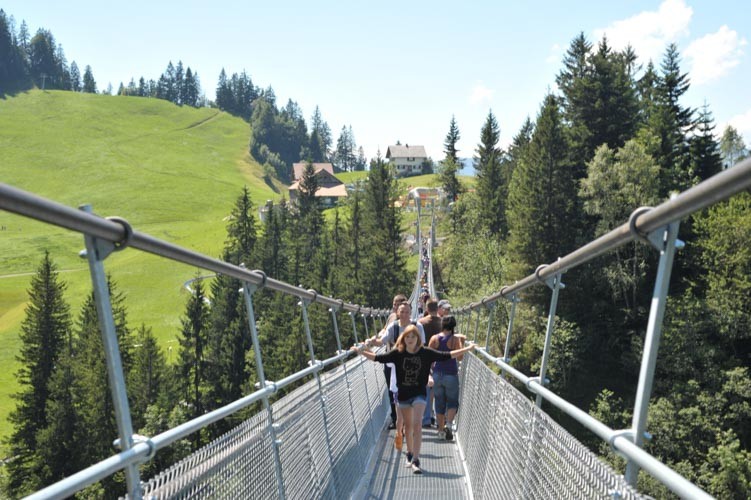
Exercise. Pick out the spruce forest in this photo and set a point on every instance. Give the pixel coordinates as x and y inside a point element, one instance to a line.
<point>609,141</point>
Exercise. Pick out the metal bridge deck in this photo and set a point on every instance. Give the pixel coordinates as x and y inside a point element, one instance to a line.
<point>443,471</point>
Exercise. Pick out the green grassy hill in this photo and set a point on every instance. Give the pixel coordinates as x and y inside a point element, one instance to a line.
<point>172,172</point>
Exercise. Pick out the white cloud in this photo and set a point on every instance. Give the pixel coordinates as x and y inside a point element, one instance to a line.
<point>556,53</point>
<point>480,93</point>
<point>714,55</point>
<point>649,31</point>
<point>741,123</point>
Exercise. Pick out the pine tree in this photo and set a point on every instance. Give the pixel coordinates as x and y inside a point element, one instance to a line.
<point>704,149</point>
<point>449,143</point>
<point>345,150</point>
<point>308,189</point>
<point>672,125</point>
<point>599,99</point>
<point>89,84</point>
<point>43,331</point>
<point>541,201</point>
<point>383,270</point>
<point>97,427</point>
<point>228,337</point>
<point>318,125</point>
<point>43,63</point>
<point>307,228</point>
<point>490,188</point>
<point>449,181</point>
<point>316,148</point>
<point>58,440</point>
<point>191,89</point>
<point>12,56</point>
<point>224,99</point>
<point>147,376</point>
<point>272,245</point>
<point>191,363</point>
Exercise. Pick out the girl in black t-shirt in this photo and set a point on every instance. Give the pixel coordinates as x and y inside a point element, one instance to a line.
<point>412,361</point>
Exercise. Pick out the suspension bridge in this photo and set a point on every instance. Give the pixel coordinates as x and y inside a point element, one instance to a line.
<point>327,437</point>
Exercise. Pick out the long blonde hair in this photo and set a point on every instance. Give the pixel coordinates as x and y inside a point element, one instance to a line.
<point>401,342</point>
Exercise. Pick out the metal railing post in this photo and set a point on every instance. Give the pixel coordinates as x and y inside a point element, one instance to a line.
<point>346,378</point>
<point>665,240</point>
<point>465,318</point>
<point>248,290</point>
<point>477,325</point>
<point>491,311</point>
<point>313,361</point>
<point>507,348</point>
<point>364,375</point>
<point>555,284</point>
<point>96,251</point>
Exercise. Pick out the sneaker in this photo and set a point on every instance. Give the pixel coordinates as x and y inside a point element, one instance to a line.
<point>398,441</point>
<point>441,433</point>
<point>392,425</point>
<point>449,434</point>
<point>432,422</point>
<point>426,425</point>
<point>416,466</point>
<point>409,460</point>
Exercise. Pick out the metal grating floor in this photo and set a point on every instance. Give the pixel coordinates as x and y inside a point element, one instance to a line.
<point>443,473</point>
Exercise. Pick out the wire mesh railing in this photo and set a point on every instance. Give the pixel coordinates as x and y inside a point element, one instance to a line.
<point>515,450</point>
<point>240,464</point>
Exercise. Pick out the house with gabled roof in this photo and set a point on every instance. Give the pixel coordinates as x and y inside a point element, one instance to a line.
<point>299,168</point>
<point>406,159</point>
<point>330,189</point>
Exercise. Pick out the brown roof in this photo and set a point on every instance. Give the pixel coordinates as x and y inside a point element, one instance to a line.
<point>299,168</point>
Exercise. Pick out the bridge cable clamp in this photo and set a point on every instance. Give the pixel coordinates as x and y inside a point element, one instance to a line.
<point>627,433</point>
<point>550,282</point>
<point>127,239</point>
<point>632,225</point>
<point>263,278</point>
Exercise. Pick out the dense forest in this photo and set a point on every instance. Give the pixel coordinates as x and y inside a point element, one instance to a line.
<point>617,137</point>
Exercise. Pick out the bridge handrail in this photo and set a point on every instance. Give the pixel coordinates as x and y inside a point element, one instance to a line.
<point>620,442</point>
<point>712,190</point>
<point>143,450</point>
<point>30,205</point>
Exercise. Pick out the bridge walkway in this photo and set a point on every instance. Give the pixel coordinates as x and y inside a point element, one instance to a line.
<point>443,471</point>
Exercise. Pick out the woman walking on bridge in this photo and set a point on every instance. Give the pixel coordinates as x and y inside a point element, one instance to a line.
<point>412,361</point>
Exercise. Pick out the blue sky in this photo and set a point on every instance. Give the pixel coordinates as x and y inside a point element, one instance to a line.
<point>400,70</point>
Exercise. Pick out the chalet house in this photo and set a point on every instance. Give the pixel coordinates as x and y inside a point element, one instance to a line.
<point>330,189</point>
<point>407,160</point>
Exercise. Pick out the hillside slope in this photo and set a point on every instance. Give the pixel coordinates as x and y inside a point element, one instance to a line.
<point>172,172</point>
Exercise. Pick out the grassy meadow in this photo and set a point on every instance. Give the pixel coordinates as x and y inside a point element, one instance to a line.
<point>172,172</point>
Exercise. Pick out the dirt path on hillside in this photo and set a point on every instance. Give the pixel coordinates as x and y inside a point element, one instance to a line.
<point>34,272</point>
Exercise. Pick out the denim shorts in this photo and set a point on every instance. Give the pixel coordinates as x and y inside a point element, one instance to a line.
<point>446,390</point>
<point>409,403</point>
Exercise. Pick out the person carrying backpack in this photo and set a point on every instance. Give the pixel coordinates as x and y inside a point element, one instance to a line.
<point>446,377</point>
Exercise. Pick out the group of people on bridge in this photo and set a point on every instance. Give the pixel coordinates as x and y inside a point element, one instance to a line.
<point>421,370</point>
